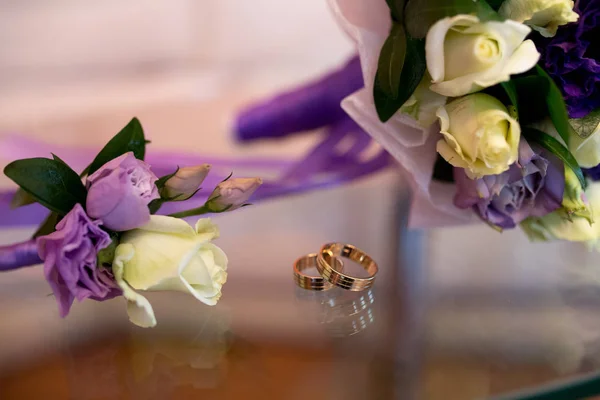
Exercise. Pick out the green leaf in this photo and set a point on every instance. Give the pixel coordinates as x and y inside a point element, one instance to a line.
<point>495,4</point>
<point>48,226</point>
<point>391,60</point>
<point>107,254</point>
<point>555,147</point>
<point>156,204</point>
<point>586,126</point>
<point>420,15</point>
<point>412,74</point>
<point>556,106</point>
<point>442,170</point>
<point>160,183</point>
<point>130,138</point>
<point>397,9</point>
<point>57,158</point>
<point>52,183</point>
<point>21,198</point>
<point>511,91</point>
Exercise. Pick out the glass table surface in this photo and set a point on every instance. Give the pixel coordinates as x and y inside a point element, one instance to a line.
<point>437,324</point>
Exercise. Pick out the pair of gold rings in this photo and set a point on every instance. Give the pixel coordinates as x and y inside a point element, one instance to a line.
<point>329,265</point>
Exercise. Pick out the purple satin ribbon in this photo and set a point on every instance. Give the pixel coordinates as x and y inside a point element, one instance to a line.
<point>19,255</point>
<point>306,108</point>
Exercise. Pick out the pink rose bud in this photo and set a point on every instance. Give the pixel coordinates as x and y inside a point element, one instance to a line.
<point>185,182</point>
<point>232,194</point>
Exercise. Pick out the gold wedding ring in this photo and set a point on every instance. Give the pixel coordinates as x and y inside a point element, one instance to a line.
<point>329,255</point>
<point>311,282</point>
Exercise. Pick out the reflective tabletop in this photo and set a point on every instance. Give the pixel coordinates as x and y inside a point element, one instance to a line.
<point>440,322</point>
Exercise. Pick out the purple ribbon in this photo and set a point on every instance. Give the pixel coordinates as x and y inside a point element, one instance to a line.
<point>19,255</point>
<point>306,108</point>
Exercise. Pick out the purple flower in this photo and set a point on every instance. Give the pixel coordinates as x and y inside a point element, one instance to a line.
<point>572,58</point>
<point>70,260</point>
<point>593,173</point>
<point>119,193</point>
<point>533,186</point>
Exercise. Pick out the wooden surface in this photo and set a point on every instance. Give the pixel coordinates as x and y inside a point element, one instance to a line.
<point>248,370</point>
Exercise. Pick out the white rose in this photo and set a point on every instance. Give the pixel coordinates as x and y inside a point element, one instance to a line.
<point>545,16</point>
<point>465,55</point>
<point>479,135</point>
<point>168,254</point>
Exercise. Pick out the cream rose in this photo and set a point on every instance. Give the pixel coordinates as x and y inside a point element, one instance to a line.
<point>479,135</point>
<point>545,16</point>
<point>465,55</point>
<point>168,254</point>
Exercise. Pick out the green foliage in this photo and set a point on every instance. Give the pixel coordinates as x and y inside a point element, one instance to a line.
<point>130,138</point>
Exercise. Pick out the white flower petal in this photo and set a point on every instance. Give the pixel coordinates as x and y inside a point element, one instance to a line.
<point>434,44</point>
<point>168,225</point>
<point>523,59</point>
<point>139,308</point>
<point>206,228</point>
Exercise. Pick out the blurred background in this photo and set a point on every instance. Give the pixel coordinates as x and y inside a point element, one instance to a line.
<point>491,312</point>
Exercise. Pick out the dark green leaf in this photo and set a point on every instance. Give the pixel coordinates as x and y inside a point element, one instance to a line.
<point>555,147</point>
<point>556,107</point>
<point>495,4</point>
<point>130,138</point>
<point>52,183</point>
<point>420,15</point>
<point>85,172</point>
<point>397,9</point>
<point>155,205</point>
<point>21,198</point>
<point>160,183</point>
<point>442,170</point>
<point>530,91</point>
<point>412,74</point>
<point>511,91</point>
<point>57,158</point>
<point>48,226</point>
<point>584,127</point>
<point>391,60</point>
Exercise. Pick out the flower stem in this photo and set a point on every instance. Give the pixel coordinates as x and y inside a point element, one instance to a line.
<point>190,213</point>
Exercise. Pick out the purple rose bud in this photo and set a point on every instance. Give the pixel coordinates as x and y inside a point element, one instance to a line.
<point>185,182</point>
<point>232,194</point>
<point>70,260</point>
<point>119,193</point>
<point>532,187</point>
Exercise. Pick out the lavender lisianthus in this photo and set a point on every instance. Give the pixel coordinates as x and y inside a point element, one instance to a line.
<point>120,191</point>
<point>572,58</point>
<point>70,260</point>
<point>533,186</point>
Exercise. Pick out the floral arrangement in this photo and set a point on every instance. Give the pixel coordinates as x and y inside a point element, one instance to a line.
<point>491,106</point>
<point>103,239</point>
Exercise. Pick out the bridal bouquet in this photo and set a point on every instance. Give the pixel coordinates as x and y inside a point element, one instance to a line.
<point>492,107</point>
<point>103,239</point>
